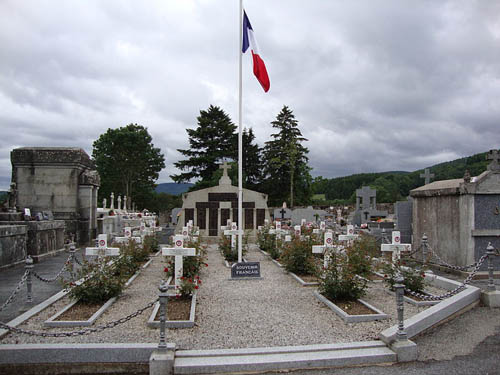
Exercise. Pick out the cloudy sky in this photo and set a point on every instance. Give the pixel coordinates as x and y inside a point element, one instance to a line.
<point>376,85</point>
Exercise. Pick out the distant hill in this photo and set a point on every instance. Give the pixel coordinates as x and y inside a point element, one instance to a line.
<point>173,188</point>
<point>393,186</point>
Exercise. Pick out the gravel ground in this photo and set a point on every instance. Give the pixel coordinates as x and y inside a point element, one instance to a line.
<point>274,311</point>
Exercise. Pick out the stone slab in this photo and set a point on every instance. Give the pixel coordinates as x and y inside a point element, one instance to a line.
<point>78,353</point>
<point>161,362</point>
<point>380,315</point>
<point>283,361</point>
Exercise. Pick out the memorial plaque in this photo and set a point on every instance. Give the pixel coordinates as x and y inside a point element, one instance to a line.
<point>247,269</point>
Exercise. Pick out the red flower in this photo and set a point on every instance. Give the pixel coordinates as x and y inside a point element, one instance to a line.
<point>385,276</point>
<point>182,277</point>
<point>206,265</point>
<point>422,274</point>
<point>199,281</point>
<point>197,277</point>
<point>165,269</point>
<point>190,280</point>
<point>196,287</point>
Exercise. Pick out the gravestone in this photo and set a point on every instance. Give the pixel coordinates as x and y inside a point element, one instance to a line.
<point>366,206</point>
<point>403,213</point>
<point>309,214</point>
<point>102,248</point>
<point>178,251</point>
<point>396,246</point>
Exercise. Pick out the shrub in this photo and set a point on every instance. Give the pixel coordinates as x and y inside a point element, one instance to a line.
<point>359,257</point>
<point>339,282</point>
<point>151,244</point>
<point>297,257</point>
<point>187,287</point>
<point>230,254</point>
<point>413,278</point>
<point>100,283</point>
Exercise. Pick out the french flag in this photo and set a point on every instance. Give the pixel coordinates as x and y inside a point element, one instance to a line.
<point>259,68</point>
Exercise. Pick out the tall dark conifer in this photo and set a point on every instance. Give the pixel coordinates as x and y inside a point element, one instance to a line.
<point>286,172</point>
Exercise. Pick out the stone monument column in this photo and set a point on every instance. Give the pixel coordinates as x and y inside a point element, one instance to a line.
<point>112,205</point>
<point>119,202</point>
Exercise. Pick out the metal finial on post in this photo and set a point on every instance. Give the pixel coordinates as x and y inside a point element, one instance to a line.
<point>400,290</point>
<point>163,304</point>
<point>29,286</point>
<point>490,250</point>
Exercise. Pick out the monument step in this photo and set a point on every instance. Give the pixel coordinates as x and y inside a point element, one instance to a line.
<point>280,358</point>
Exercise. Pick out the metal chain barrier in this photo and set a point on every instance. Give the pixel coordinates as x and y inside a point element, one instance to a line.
<point>451,293</point>
<point>446,264</point>
<point>16,290</point>
<point>82,332</point>
<point>45,280</point>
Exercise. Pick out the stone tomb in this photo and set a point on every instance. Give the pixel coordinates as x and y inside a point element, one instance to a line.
<point>62,180</point>
<point>210,208</point>
<point>460,216</point>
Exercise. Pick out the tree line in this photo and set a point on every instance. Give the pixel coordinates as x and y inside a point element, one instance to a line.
<point>129,164</point>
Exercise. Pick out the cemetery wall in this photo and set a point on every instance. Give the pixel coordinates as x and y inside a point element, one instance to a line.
<point>12,244</point>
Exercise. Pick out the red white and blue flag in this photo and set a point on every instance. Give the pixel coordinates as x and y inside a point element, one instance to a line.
<point>259,68</point>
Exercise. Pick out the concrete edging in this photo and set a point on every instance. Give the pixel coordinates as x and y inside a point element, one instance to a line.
<point>302,282</point>
<point>152,323</point>
<point>52,322</point>
<point>380,315</point>
<point>437,313</point>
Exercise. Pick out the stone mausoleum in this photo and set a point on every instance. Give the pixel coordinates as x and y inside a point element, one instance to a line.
<point>61,181</point>
<point>211,208</point>
<point>460,216</point>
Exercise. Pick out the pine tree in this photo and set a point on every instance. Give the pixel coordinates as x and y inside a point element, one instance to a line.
<point>210,142</point>
<point>286,172</point>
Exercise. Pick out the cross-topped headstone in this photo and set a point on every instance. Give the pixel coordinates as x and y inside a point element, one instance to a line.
<point>224,180</point>
<point>396,247</point>
<point>102,248</point>
<point>366,198</point>
<point>494,157</point>
<point>322,249</point>
<point>179,251</point>
<point>297,230</point>
<point>427,175</point>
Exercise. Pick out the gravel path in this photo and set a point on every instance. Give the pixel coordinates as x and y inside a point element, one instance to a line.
<point>274,311</point>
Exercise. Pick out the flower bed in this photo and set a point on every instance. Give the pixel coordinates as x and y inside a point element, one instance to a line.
<point>372,314</point>
<point>175,318</point>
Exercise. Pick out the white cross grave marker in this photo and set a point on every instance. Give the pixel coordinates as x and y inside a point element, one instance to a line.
<point>303,222</point>
<point>396,247</point>
<point>233,232</point>
<point>127,236</point>
<point>297,230</point>
<point>322,226</point>
<point>320,249</point>
<point>350,234</point>
<point>102,248</point>
<point>179,251</point>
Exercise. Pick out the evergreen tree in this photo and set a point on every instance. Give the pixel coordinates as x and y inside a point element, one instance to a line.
<point>128,163</point>
<point>286,172</point>
<point>252,168</point>
<point>210,142</point>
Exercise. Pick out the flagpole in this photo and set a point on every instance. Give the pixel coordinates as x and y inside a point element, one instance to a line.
<point>240,143</point>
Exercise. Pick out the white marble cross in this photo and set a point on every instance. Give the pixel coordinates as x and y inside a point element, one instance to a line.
<point>396,247</point>
<point>179,251</point>
<point>320,249</point>
<point>102,248</point>
<point>127,237</point>
<point>233,232</point>
<point>350,234</point>
<point>298,230</point>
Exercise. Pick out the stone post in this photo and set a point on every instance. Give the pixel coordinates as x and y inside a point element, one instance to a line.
<point>424,249</point>
<point>104,203</point>
<point>29,267</point>
<point>112,204</point>
<point>125,202</point>
<point>119,202</point>
<point>490,250</point>
<point>163,304</point>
